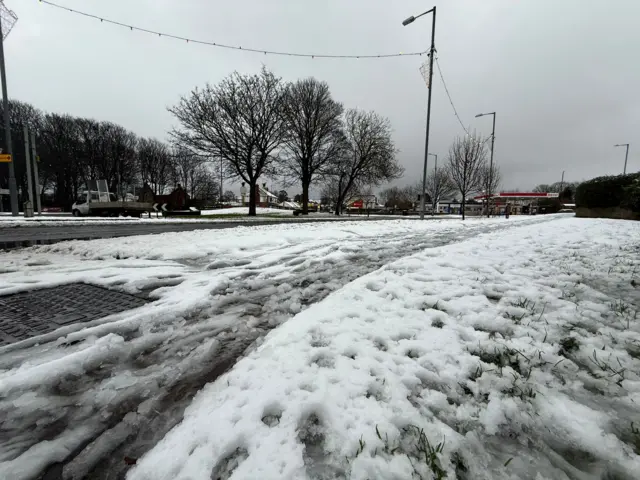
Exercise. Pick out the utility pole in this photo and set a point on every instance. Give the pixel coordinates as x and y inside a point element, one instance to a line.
<point>432,52</point>
<point>493,138</point>
<point>436,184</point>
<point>221,191</point>
<point>626,156</point>
<point>562,182</point>
<point>36,177</point>
<point>27,160</point>
<point>13,187</point>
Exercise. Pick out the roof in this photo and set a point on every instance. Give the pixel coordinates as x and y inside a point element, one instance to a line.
<point>264,191</point>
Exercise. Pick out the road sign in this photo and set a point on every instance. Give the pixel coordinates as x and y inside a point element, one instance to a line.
<point>5,158</point>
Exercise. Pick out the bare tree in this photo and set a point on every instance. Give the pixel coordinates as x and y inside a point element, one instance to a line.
<point>314,131</point>
<point>368,156</point>
<point>239,120</point>
<point>155,164</point>
<point>556,187</point>
<point>108,152</point>
<point>400,197</point>
<point>229,196</point>
<point>490,181</point>
<point>466,158</point>
<point>61,151</point>
<point>283,196</point>
<point>21,114</point>
<point>439,186</point>
<point>194,174</point>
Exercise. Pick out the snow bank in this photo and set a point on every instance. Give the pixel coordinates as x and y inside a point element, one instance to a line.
<point>511,355</point>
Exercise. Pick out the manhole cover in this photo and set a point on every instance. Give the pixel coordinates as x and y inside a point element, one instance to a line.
<point>27,314</point>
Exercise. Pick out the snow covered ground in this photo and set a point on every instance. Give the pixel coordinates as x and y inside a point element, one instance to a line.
<point>436,341</point>
<point>8,221</point>
<point>245,211</point>
<point>505,356</point>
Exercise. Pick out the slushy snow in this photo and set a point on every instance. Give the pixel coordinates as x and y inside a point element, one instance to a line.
<point>89,394</point>
<point>511,355</point>
<point>493,349</point>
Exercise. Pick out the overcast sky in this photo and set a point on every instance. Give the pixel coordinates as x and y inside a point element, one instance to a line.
<point>563,76</point>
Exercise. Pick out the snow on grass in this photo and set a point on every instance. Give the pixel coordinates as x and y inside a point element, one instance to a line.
<point>511,355</point>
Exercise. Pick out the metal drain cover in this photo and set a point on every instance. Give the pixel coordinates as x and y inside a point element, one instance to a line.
<point>27,314</point>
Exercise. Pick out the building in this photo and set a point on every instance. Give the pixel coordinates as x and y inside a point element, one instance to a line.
<point>176,200</point>
<point>522,203</point>
<point>265,198</point>
<point>454,207</point>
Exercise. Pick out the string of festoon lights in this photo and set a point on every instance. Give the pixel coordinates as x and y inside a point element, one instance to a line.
<point>263,51</point>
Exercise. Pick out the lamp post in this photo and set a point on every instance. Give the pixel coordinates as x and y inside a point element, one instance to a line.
<point>436,189</point>
<point>426,143</point>
<point>626,156</point>
<point>493,138</point>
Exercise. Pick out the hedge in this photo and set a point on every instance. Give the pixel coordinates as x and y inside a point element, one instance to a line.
<point>606,192</point>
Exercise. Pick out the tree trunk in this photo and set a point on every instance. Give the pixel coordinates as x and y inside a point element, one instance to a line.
<point>464,204</point>
<point>252,197</point>
<point>305,197</point>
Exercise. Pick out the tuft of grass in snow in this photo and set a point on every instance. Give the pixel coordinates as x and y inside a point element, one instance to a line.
<point>605,366</point>
<point>415,444</point>
<point>525,303</point>
<point>419,448</point>
<point>620,308</point>
<point>520,389</point>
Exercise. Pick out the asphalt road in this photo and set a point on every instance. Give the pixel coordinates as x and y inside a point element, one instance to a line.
<point>18,237</point>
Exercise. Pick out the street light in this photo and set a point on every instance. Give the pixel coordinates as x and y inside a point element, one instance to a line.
<point>493,137</point>
<point>7,21</point>
<point>426,143</point>
<point>435,181</point>
<point>626,156</point>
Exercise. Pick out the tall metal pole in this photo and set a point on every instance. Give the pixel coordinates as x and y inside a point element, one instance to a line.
<point>36,177</point>
<point>27,160</point>
<point>562,182</point>
<point>426,142</point>
<point>493,139</point>
<point>432,51</point>
<point>626,156</point>
<point>221,193</point>
<point>13,187</point>
<point>436,189</point>
<point>489,193</point>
